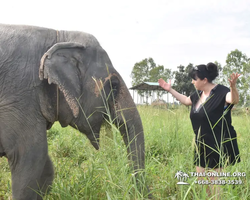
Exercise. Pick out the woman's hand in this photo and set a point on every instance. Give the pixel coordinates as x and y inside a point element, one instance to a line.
<point>232,97</point>
<point>233,80</point>
<point>164,85</point>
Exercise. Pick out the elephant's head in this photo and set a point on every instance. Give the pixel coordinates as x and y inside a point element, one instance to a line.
<point>89,86</point>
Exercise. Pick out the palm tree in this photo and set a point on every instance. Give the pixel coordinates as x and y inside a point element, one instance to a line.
<point>185,176</point>
<point>178,175</point>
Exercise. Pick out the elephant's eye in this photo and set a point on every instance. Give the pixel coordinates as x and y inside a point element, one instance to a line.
<point>115,87</point>
<point>112,87</point>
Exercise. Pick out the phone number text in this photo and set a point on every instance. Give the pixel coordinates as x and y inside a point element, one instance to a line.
<point>218,182</point>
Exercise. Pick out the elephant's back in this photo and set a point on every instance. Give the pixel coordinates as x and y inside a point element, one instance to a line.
<point>21,49</point>
<point>22,41</point>
<point>84,38</point>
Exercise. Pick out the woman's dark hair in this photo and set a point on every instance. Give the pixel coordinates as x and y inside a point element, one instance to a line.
<point>209,71</point>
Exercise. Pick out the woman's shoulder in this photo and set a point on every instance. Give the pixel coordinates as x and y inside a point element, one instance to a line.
<point>195,95</point>
<point>222,89</point>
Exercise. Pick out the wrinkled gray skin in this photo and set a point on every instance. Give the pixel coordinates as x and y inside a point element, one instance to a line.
<point>34,62</point>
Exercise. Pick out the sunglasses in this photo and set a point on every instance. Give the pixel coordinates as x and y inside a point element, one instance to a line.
<point>196,68</point>
<point>194,76</point>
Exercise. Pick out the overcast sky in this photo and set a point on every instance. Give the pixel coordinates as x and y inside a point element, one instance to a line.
<point>172,32</point>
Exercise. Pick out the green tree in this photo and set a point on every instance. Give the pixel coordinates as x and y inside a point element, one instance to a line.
<point>141,73</point>
<point>156,73</point>
<point>147,71</point>
<point>141,70</point>
<point>221,78</point>
<point>182,81</point>
<point>239,62</point>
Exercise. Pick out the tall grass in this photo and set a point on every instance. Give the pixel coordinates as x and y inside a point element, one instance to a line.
<point>81,172</point>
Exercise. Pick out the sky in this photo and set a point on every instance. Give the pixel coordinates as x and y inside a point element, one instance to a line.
<point>172,32</point>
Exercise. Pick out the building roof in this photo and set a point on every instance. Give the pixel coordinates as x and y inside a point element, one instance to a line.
<point>147,86</point>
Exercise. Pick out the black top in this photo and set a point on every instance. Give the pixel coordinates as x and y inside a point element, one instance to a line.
<point>216,143</point>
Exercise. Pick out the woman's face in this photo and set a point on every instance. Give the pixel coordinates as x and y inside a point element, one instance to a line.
<point>198,83</point>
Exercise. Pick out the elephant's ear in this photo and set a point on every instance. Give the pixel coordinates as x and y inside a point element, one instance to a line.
<point>60,65</point>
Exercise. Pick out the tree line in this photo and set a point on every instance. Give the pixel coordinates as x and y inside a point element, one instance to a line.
<point>236,61</point>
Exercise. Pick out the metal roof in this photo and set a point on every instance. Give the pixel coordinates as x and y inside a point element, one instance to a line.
<point>147,86</point>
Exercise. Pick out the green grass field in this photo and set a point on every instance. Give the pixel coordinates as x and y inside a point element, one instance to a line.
<point>81,172</point>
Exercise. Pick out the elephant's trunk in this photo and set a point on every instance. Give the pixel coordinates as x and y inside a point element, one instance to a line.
<point>132,131</point>
<point>131,127</point>
<point>133,137</point>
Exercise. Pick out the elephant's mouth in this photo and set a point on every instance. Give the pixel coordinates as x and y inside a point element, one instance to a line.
<point>2,154</point>
<point>96,144</point>
<point>94,139</point>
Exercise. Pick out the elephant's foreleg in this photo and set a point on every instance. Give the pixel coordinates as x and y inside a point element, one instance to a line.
<point>27,163</point>
<point>47,177</point>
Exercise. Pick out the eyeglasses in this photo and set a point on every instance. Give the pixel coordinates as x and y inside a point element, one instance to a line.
<point>196,68</point>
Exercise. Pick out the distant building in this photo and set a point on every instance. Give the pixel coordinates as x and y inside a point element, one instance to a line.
<point>151,92</point>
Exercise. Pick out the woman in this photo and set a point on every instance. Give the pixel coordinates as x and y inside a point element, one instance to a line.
<point>215,137</point>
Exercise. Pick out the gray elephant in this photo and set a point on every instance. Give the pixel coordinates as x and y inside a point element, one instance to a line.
<point>47,76</point>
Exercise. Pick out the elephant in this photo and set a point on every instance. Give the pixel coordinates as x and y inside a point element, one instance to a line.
<point>49,75</point>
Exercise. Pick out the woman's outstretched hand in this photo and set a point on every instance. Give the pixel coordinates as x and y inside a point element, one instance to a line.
<point>164,85</point>
<point>233,79</point>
